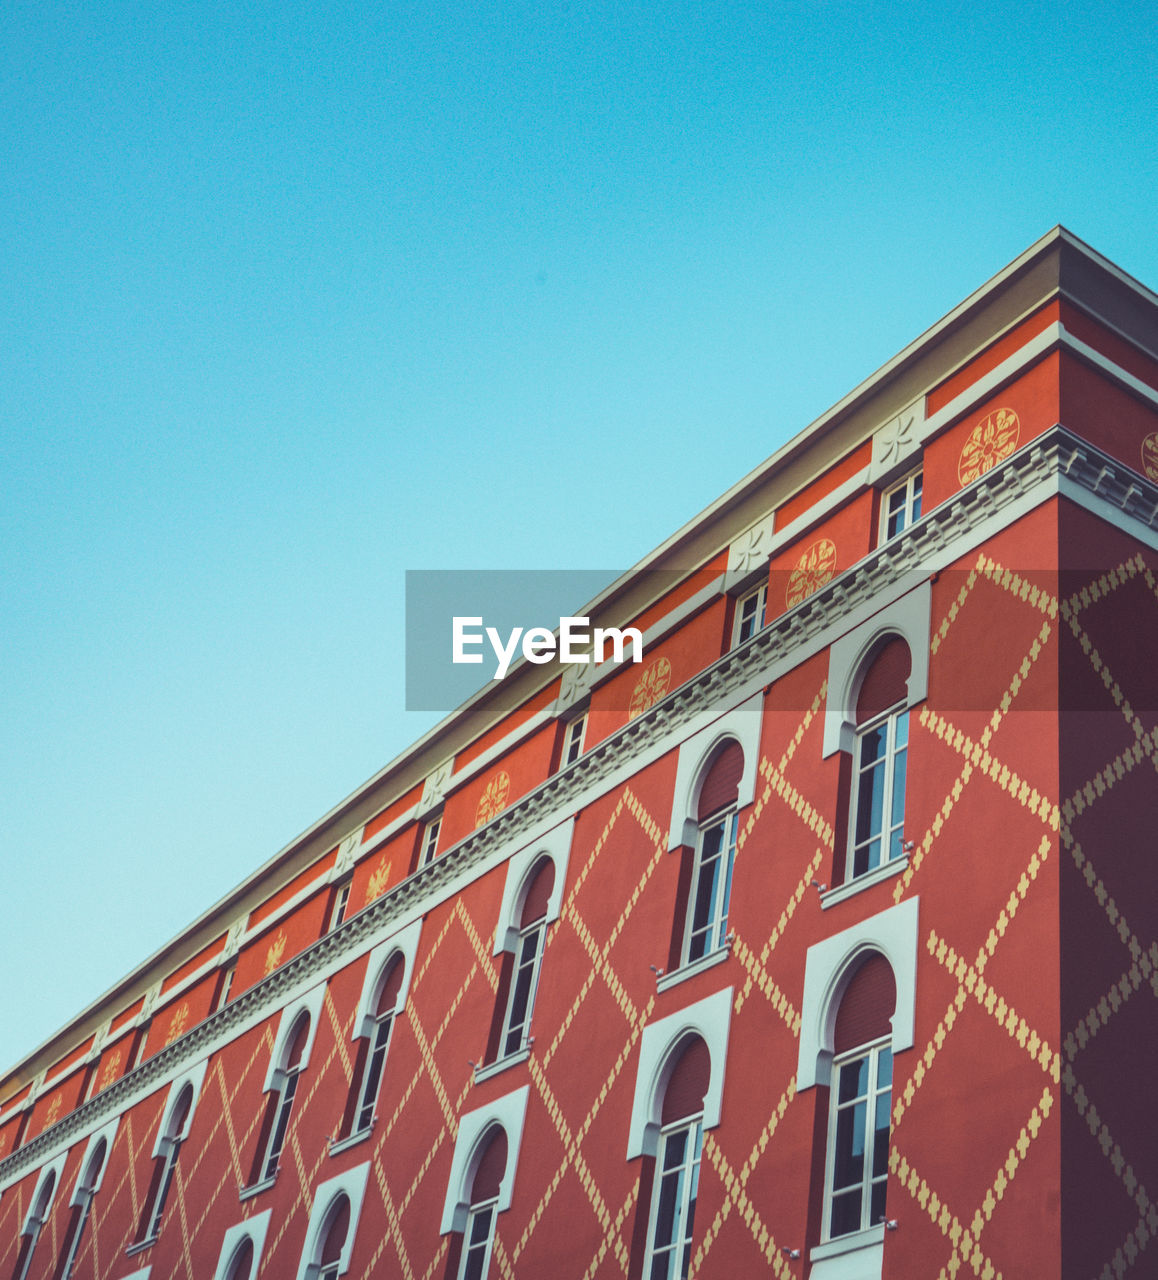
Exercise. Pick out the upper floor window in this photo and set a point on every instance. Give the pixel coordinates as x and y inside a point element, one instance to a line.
<point>224,987</point>
<point>340,902</point>
<point>859,1101</point>
<point>750,610</point>
<point>481,1183</point>
<point>241,1264</point>
<point>880,759</point>
<point>900,506</point>
<point>372,1055</point>
<point>333,1224</point>
<point>34,1224</point>
<point>174,1130</point>
<point>327,1264</point>
<point>241,1248</point>
<point>82,1199</point>
<point>573,740</point>
<point>479,1234</point>
<point>710,891</point>
<point>675,1177</point>
<point>281,1100</point>
<point>429,841</point>
<point>528,957</point>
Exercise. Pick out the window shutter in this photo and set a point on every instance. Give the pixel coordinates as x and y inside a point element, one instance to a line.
<point>885,682</point>
<point>538,893</point>
<point>866,1008</point>
<point>336,1235</point>
<point>721,786</point>
<point>688,1083</point>
<point>488,1176</point>
<point>388,996</point>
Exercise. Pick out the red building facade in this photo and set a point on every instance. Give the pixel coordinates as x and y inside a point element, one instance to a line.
<point>822,943</point>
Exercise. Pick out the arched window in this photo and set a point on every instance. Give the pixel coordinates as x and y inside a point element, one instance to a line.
<point>241,1264</point>
<point>82,1199</point>
<point>523,981</point>
<point>879,761</point>
<point>281,1100</point>
<point>333,1240</point>
<point>169,1147</point>
<point>482,1180</point>
<point>859,1100</point>
<point>677,1167</point>
<point>479,1234</point>
<point>34,1224</point>
<point>706,883</point>
<point>241,1248</point>
<point>532,901</point>
<point>372,1052</point>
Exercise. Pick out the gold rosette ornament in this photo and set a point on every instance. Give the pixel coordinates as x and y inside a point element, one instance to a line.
<point>1150,456</point>
<point>814,568</point>
<point>652,685</point>
<point>493,799</point>
<point>991,441</point>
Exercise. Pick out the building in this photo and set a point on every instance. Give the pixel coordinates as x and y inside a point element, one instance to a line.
<point>822,943</point>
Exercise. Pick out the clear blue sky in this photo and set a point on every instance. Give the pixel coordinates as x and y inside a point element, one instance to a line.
<point>298,297</point>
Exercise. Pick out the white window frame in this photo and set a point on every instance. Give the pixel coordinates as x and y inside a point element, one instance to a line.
<point>341,902</point>
<point>34,1221</point>
<point>491,1209</point>
<point>907,616</point>
<point>255,1230</point>
<point>660,1047</point>
<point>891,831</point>
<point>573,736</point>
<point>284,1082</point>
<point>741,723</point>
<point>226,986</point>
<point>679,1249</point>
<point>908,487</point>
<point>352,1185</point>
<point>511,936</point>
<point>510,1112</point>
<point>829,967</point>
<point>168,1144</point>
<point>430,833</point>
<point>534,935</point>
<point>871,1051</point>
<point>82,1195</point>
<point>719,887</point>
<point>556,845</point>
<point>401,948</point>
<point>757,598</point>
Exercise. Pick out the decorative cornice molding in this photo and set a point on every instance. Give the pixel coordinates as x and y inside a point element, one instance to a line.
<point>1035,471</point>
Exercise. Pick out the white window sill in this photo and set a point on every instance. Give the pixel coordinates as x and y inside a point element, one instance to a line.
<point>351,1139</point>
<point>857,1256</point>
<point>140,1246</point>
<point>247,1193</point>
<point>686,971</point>
<point>501,1064</point>
<point>885,871</point>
